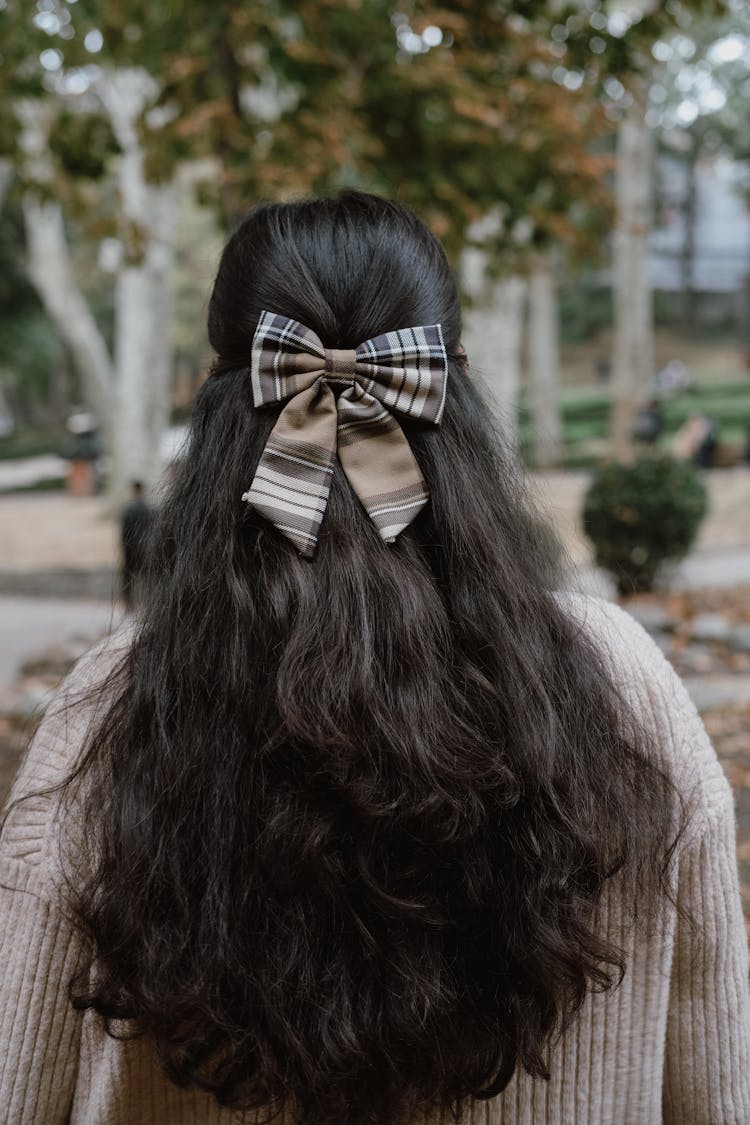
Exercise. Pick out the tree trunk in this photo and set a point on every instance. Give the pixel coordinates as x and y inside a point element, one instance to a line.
<point>633,364</point>
<point>161,263</point>
<point>132,453</point>
<point>493,333</point>
<point>142,299</point>
<point>688,244</point>
<point>143,305</point>
<point>61,393</point>
<point>744,321</point>
<point>50,267</point>
<point>544,364</point>
<point>51,273</point>
<point>493,336</point>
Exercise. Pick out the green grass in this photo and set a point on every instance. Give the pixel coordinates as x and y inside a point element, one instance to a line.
<point>585,416</point>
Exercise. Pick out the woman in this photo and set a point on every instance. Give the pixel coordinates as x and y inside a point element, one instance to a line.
<point>363,823</point>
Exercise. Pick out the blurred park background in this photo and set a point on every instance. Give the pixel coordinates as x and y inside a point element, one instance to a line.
<point>587,166</point>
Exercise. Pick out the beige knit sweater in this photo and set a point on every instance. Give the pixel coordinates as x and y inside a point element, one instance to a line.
<point>671,1044</point>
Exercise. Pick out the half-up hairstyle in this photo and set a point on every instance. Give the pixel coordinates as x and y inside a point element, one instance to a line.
<point>350,817</point>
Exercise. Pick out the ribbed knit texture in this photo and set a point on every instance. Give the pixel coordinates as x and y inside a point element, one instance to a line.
<point>671,1044</point>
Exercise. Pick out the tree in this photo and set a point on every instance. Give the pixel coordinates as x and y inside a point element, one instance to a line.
<point>129,392</point>
<point>312,96</point>
<point>460,108</point>
<point>493,322</point>
<point>633,365</point>
<point>633,355</point>
<point>52,129</point>
<point>544,362</point>
<point>143,305</point>
<point>49,261</point>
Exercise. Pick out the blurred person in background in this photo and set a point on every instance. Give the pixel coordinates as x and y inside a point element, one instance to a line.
<point>362,820</point>
<point>695,440</point>
<point>673,378</point>
<point>135,528</point>
<point>649,423</point>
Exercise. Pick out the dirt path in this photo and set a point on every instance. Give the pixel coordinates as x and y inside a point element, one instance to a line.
<point>54,530</point>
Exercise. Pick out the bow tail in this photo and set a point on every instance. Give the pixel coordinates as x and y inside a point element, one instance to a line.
<point>293,478</point>
<point>379,463</point>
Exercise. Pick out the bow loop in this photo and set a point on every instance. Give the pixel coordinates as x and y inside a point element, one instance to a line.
<point>403,371</point>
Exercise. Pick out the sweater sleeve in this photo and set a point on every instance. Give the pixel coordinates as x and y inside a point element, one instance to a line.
<point>40,949</point>
<point>706,1077</point>
<point>39,1030</point>
<point>707,1060</point>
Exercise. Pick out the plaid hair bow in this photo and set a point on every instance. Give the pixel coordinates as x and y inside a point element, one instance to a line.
<point>403,371</point>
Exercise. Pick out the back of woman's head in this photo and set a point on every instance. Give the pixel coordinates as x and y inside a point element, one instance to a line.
<point>348,268</point>
<point>352,814</point>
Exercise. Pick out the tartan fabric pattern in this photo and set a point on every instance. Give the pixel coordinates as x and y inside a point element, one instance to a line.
<point>403,372</point>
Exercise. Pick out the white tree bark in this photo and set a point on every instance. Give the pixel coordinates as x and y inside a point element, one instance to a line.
<point>493,335</point>
<point>52,275</point>
<point>51,271</point>
<point>131,397</point>
<point>160,263</point>
<point>143,298</point>
<point>633,353</point>
<point>544,363</point>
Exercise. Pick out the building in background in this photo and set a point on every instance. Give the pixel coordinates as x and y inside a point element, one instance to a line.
<point>699,255</point>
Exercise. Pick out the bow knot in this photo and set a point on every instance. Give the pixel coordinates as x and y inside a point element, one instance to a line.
<point>403,371</point>
<point>341,365</point>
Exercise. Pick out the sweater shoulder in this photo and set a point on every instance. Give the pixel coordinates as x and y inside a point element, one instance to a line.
<point>653,692</point>
<point>34,805</point>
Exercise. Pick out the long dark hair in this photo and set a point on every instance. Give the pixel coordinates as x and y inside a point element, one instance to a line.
<point>350,817</point>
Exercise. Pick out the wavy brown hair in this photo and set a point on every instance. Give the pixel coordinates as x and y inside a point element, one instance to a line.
<point>350,817</point>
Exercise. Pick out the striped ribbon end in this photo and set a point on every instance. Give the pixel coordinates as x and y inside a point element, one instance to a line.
<point>291,487</point>
<point>391,512</point>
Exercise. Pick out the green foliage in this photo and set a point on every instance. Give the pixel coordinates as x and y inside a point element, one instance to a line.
<point>308,96</point>
<point>82,144</point>
<point>29,346</point>
<point>639,516</point>
<point>457,108</point>
<point>16,291</point>
<point>30,352</point>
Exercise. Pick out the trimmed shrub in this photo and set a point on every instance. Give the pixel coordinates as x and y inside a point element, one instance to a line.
<point>638,516</point>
